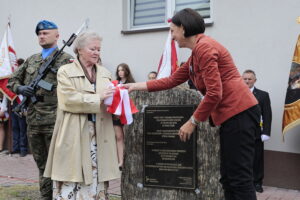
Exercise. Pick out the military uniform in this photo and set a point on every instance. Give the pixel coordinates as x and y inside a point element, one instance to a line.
<point>41,115</point>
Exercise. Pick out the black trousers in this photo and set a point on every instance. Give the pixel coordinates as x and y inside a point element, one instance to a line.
<point>237,138</point>
<point>258,166</point>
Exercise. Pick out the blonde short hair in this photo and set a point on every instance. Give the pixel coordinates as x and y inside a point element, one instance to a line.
<point>83,38</point>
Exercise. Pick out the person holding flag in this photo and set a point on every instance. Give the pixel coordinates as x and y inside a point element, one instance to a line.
<point>8,65</point>
<point>83,138</point>
<point>42,114</point>
<point>228,101</point>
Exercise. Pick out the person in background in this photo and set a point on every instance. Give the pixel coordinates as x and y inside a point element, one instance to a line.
<point>41,115</point>
<point>152,75</point>
<point>19,128</point>
<point>228,101</point>
<point>264,131</point>
<point>83,153</point>
<point>123,75</point>
<point>3,120</point>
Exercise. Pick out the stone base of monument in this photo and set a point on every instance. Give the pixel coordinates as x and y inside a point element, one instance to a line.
<point>134,185</point>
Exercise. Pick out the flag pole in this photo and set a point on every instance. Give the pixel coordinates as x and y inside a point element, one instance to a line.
<point>9,128</point>
<point>8,19</point>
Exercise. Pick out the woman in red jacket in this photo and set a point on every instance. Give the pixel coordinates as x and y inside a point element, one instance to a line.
<point>228,101</point>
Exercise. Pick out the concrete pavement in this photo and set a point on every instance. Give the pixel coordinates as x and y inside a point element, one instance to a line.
<point>22,170</point>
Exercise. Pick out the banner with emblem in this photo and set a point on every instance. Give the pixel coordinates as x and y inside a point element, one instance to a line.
<point>8,62</point>
<point>291,115</point>
<point>168,63</point>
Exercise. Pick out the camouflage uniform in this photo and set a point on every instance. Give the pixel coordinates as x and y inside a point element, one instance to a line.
<point>41,115</point>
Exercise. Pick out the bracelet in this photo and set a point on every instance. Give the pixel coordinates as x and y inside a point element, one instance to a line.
<point>195,122</point>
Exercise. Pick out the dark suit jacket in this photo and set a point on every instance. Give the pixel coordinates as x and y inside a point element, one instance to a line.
<point>266,112</point>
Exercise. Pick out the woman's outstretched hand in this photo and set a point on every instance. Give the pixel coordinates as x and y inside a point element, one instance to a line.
<point>135,86</point>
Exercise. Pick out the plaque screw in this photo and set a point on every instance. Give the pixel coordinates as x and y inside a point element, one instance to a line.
<point>143,108</point>
<point>197,191</point>
<point>139,185</point>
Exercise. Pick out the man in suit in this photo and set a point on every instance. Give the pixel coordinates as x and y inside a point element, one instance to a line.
<point>263,134</point>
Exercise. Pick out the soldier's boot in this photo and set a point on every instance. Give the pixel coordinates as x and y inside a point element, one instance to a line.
<point>46,188</point>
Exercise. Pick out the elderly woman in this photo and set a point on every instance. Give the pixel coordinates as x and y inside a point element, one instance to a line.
<point>83,154</point>
<point>228,101</point>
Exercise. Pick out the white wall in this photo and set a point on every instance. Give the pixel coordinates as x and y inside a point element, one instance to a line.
<point>260,35</point>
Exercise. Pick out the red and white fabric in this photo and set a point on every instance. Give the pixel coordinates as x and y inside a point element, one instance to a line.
<point>120,104</point>
<point>168,63</point>
<point>8,63</point>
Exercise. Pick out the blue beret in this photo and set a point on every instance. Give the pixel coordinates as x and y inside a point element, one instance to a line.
<point>45,25</point>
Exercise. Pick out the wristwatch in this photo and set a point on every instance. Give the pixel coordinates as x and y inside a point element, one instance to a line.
<point>195,122</point>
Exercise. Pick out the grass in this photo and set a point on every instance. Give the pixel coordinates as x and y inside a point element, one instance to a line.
<point>19,192</point>
<point>26,192</point>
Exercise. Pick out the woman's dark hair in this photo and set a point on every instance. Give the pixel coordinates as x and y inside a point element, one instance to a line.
<point>191,21</point>
<point>129,78</point>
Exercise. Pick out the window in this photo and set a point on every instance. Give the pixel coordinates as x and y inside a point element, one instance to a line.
<point>152,14</point>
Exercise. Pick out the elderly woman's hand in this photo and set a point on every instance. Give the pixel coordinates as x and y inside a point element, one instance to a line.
<point>135,86</point>
<point>107,93</point>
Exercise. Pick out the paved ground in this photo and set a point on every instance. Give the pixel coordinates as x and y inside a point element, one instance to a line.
<point>22,170</point>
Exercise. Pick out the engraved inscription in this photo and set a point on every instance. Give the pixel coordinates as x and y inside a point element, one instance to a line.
<point>168,162</point>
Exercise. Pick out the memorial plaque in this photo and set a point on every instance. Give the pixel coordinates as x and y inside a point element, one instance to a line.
<point>168,162</point>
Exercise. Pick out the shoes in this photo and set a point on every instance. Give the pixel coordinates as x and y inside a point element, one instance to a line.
<point>259,188</point>
<point>103,195</point>
<point>3,152</point>
<point>15,152</point>
<point>23,154</point>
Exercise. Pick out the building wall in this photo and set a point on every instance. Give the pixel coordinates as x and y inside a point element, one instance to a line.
<point>260,35</point>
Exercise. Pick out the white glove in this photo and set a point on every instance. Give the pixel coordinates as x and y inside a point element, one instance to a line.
<point>264,138</point>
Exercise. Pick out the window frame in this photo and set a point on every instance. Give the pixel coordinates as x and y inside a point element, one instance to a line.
<point>170,8</point>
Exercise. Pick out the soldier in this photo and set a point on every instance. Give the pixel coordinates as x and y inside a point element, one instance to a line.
<point>42,114</point>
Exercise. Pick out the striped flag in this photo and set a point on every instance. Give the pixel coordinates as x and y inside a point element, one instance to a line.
<point>291,115</point>
<point>168,62</point>
<point>8,63</point>
<point>120,104</point>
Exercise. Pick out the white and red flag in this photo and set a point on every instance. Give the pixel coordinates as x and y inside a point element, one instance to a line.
<point>168,63</point>
<point>120,104</point>
<point>8,63</point>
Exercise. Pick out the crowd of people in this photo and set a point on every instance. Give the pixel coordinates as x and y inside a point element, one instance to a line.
<point>78,146</point>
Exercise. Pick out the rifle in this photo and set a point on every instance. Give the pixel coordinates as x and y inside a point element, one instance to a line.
<point>43,70</point>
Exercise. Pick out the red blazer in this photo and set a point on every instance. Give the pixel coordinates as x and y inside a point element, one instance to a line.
<point>215,75</point>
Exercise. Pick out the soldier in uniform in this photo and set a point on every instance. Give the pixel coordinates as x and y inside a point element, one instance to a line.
<point>42,114</point>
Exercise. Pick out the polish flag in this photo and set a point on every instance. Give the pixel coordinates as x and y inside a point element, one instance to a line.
<point>8,63</point>
<point>168,63</point>
<point>120,104</point>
